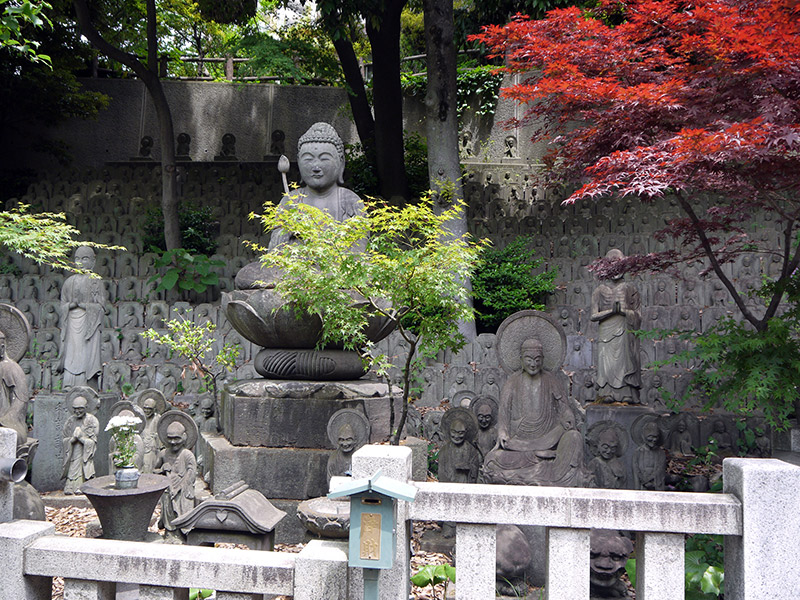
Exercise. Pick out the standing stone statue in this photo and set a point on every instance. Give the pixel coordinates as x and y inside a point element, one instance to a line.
<point>80,441</point>
<point>537,439</point>
<point>680,439</point>
<point>83,301</point>
<point>649,459</point>
<point>153,404</point>
<point>616,306</point>
<point>178,434</point>
<point>608,441</point>
<point>348,430</point>
<point>485,409</point>
<point>207,419</point>
<point>459,459</point>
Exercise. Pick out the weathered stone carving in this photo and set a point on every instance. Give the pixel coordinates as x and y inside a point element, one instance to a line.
<point>83,301</point>
<point>153,404</point>
<point>649,459</point>
<point>486,410</point>
<point>537,440</point>
<point>178,434</point>
<point>79,439</point>
<point>615,306</point>
<point>459,459</point>
<point>609,551</point>
<point>608,441</point>
<point>348,430</point>
<point>15,335</point>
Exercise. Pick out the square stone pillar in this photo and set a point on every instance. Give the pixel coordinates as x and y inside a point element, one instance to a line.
<point>320,571</point>
<point>567,564</point>
<point>8,450</point>
<point>14,538</point>
<point>762,562</point>
<point>476,547</point>
<point>660,566</point>
<point>395,462</point>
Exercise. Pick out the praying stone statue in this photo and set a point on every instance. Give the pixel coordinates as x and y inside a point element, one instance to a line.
<point>348,430</point>
<point>485,410</point>
<point>258,313</point>
<point>680,439</point>
<point>649,459</point>
<point>126,408</point>
<point>537,439</point>
<point>79,438</point>
<point>607,442</point>
<point>83,301</point>
<point>178,434</point>
<point>615,306</point>
<point>15,335</point>
<point>153,405</point>
<point>608,553</point>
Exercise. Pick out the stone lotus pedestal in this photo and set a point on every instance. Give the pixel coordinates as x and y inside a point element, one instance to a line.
<point>125,514</point>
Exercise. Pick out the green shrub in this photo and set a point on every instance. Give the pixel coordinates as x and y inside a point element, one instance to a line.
<point>198,229</point>
<point>505,282</point>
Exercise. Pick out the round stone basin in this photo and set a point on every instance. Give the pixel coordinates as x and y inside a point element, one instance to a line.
<point>125,514</point>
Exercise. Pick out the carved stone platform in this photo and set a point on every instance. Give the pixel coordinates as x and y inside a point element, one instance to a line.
<point>278,413</point>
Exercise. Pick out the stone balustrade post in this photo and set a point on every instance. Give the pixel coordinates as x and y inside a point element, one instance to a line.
<point>762,562</point>
<point>8,449</point>
<point>320,571</point>
<point>395,462</point>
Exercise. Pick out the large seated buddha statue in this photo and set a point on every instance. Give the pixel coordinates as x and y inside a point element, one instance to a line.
<point>260,314</point>
<point>538,442</point>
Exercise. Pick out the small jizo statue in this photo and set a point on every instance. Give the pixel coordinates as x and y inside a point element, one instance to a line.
<point>459,459</point>
<point>608,445</point>
<point>485,409</point>
<point>649,459</point>
<point>348,430</point>
<point>178,433</point>
<point>207,420</point>
<point>80,444</point>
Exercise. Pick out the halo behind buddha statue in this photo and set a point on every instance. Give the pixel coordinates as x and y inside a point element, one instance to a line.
<point>133,408</point>
<point>525,325</point>
<point>157,395</point>
<point>17,331</point>
<point>459,413</point>
<point>178,416</point>
<point>355,419</point>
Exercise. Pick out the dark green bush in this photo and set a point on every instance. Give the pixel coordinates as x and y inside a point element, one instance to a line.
<point>362,178</point>
<point>198,229</point>
<point>505,282</point>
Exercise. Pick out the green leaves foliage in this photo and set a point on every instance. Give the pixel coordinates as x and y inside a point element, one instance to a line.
<point>744,370</point>
<point>198,229</point>
<point>506,282</point>
<point>186,272</point>
<point>478,88</point>
<point>14,18</point>
<point>410,265</point>
<point>44,237</point>
<point>433,575</point>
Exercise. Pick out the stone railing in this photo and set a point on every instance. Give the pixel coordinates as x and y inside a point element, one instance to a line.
<point>757,514</point>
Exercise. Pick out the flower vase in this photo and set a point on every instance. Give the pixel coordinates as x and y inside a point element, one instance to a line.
<point>126,478</point>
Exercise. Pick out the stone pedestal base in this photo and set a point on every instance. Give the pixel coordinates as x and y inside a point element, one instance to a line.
<point>309,364</point>
<point>278,413</point>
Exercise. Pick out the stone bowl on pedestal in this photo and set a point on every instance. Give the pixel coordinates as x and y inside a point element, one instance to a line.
<point>125,513</point>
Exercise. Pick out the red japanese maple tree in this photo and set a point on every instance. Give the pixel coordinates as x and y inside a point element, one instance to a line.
<point>695,100</point>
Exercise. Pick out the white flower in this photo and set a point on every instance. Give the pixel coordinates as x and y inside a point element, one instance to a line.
<point>122,421</point>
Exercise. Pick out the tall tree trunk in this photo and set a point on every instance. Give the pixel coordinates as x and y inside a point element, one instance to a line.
<point>357,94</point>
<point>149,76</point>
<point>441,119</point>
<point>384,35</point>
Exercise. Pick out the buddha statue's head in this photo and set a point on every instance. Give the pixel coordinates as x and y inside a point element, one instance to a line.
<point>320,157</point>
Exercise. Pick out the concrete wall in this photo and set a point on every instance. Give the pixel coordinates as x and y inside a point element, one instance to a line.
<point>204,110</point>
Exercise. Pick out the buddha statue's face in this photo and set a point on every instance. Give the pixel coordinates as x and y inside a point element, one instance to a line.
<point>458,433</point>
<point>84,258</point>
<point>207,408</point>
<point>607,445</point>
<point>346,439</point>
<point>79,407</point>
<point>484,415</point>
<point>149,407</point>
<point>532,360</point>
<point>319,165</point>
<point>650,436</point>
<point>176,436</point>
